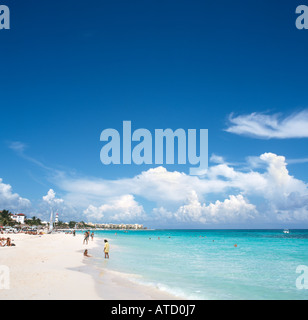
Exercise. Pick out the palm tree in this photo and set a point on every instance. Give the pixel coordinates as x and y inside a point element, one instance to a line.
<point>61,225</point>
<point>5,218</point>
<point>72,224</point>
<point>34,221</point>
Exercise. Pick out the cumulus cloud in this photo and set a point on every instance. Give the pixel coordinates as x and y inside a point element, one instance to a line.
<point>156,184</point>
<point>94,213</point>
<point>271,194</point>
<point>265,126</point>
<point>66,211</point>
<point>233,209</point>
<point>274,193</point>
<point>124,208</point>
<point>51,199</point>
<point>260,189</point>
<point>10,200</point>
<point>217,159</point>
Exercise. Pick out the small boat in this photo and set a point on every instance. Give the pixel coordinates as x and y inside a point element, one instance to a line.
<point>286,231</point>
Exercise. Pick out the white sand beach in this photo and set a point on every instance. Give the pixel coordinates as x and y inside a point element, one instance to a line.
<point>52,266</point>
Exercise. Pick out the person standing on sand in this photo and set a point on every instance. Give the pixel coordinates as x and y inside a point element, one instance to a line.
<point>86,237</point>
<point>92,236</point>
<point>106,249</point>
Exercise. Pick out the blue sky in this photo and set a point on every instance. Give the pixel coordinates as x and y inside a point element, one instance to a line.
<point>71,69</point>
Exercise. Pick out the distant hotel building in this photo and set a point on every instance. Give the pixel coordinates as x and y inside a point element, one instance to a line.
<point>116,226</point>
<point>19,218</point>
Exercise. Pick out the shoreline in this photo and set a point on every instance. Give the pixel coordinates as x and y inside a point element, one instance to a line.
<point>52,267</point>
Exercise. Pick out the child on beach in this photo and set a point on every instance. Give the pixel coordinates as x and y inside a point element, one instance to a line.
<point>106,249</point>
<point>86,254</point>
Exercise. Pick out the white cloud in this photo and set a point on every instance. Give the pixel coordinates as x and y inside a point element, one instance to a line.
<point>162,214</point>
<point>264,126</point>
<point>271,194</point>
<point>18,146</point>
<point>124,208</point>
<point>274,192</point>
<point>10,200</point>
<point>51,199</point>
<point>233,209</point>
<point>217,159</point>
<point>295,161</point>
<point>263,184</point>
<point>94,213</point>
<point>66,211</point>
<point>155,184</point>
<point>279,183</point>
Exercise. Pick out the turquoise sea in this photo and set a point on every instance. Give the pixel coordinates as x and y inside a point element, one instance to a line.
<point>206,264</point>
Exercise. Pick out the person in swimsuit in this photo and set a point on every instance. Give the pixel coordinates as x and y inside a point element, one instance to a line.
<point>106,249</point>
<point>86,237</point>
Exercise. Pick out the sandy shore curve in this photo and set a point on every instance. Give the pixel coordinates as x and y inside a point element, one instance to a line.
<point>52,267</point>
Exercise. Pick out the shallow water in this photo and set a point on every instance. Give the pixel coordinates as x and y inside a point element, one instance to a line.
<point>206,264</point>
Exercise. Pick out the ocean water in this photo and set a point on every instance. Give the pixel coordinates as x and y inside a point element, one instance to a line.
<point>206,264</point>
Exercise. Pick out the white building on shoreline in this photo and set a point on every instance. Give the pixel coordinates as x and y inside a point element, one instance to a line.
<point>19,218</point>
<point>116,226</point>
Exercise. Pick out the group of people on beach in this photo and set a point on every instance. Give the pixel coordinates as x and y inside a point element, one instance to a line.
<point>34,233</point>
<point>86,241</point>
<point>6,242</point>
